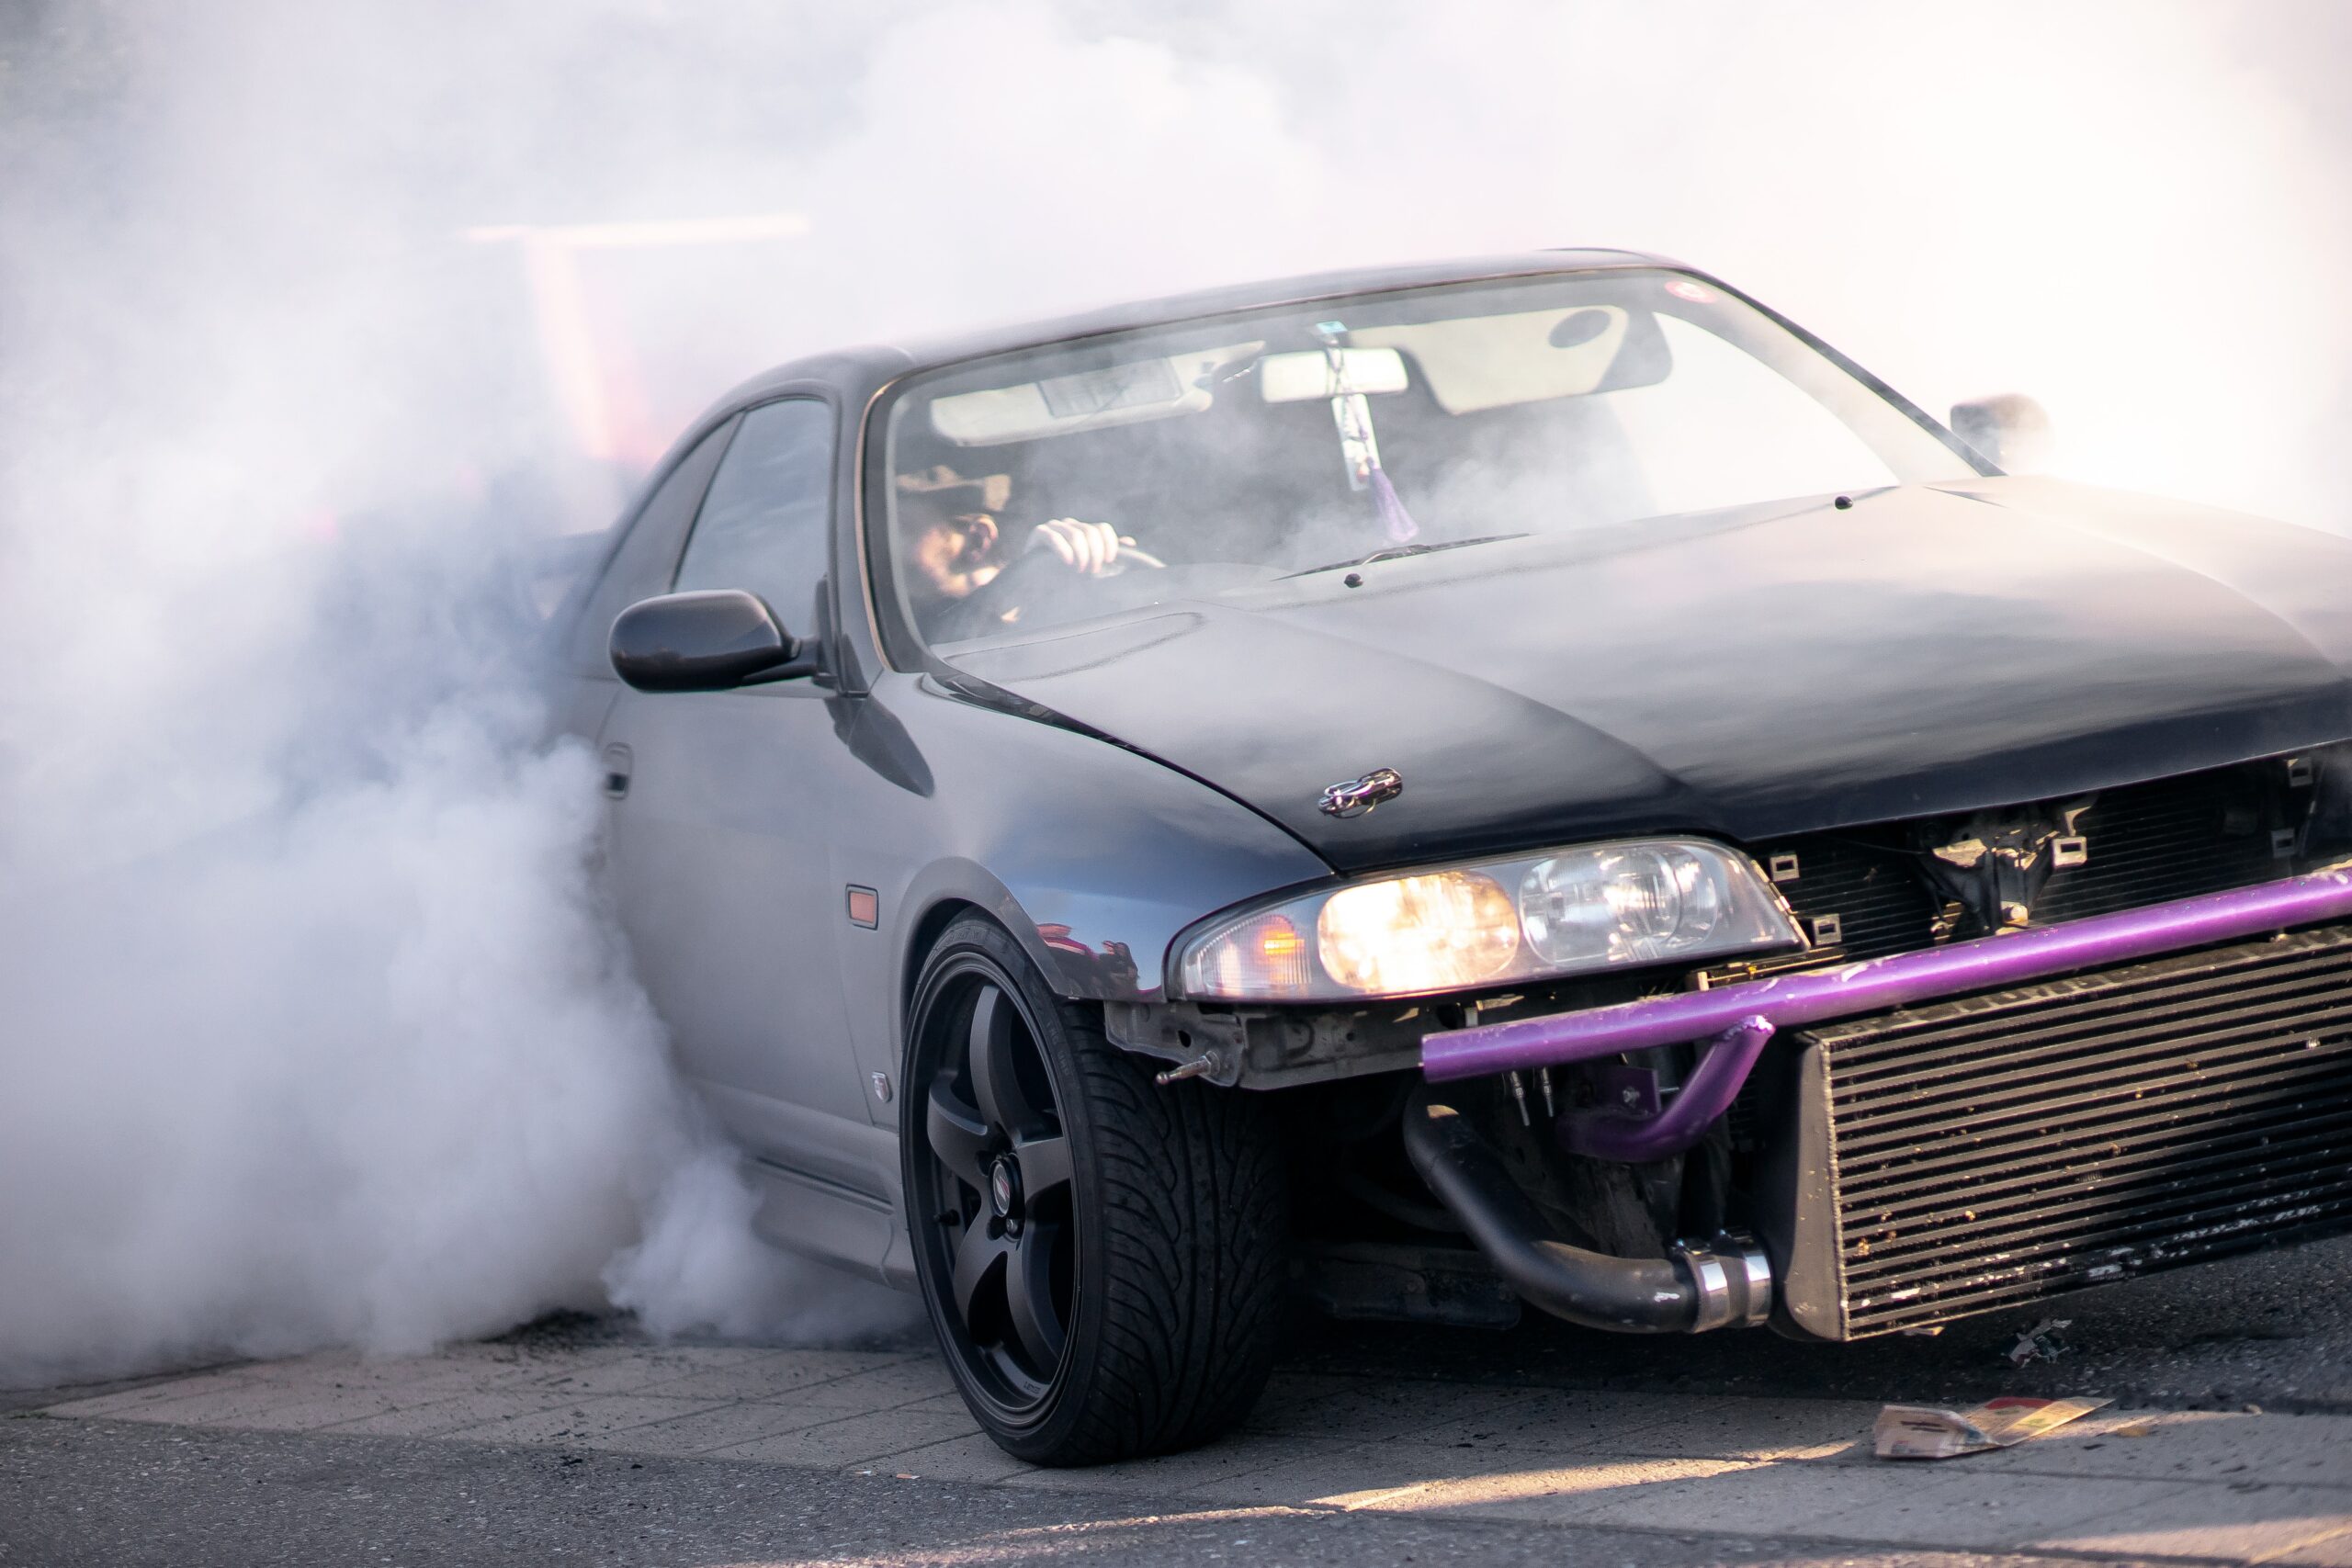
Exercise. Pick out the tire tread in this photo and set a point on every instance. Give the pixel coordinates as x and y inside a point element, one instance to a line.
<point>1192,1186</point>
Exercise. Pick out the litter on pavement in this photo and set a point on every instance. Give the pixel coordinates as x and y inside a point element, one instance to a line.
<point>2041,1343</point>
<point>1923,1431</point>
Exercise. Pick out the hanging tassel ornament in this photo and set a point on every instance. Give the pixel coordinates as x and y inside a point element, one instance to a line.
<point>1400,521</point>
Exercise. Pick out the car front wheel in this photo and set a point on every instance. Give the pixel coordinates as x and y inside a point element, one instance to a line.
<point>1101,1256</point>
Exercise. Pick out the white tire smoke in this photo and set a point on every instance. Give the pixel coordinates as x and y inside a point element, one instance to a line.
<point>311,1027</point>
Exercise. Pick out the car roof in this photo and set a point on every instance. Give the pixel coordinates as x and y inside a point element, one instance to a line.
<point>869,368</point>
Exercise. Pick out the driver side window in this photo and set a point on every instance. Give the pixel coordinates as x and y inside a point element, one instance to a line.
<point>765,525</point>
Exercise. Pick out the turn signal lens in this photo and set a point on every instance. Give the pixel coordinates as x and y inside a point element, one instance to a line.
<point>1461,927</point>
<point>1263,960</point>
<point>1439,933</point>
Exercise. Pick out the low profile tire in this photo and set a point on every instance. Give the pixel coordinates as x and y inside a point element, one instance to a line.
<point>1103,1256</point>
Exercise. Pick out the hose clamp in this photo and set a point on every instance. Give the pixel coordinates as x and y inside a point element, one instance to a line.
<point>1731,1282</point>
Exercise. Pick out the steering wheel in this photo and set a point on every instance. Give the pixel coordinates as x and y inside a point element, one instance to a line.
<point>977,614</point>
<point>1130,555</point>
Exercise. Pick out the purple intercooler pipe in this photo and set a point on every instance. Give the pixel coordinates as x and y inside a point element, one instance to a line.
<point>1739,1019</point>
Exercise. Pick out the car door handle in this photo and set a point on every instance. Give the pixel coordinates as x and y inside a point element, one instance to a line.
<point>617,765</point>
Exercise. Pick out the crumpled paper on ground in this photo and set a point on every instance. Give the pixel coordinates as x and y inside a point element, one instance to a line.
<point>1924,1431</point>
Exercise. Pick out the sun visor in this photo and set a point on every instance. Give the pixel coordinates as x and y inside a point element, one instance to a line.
<point>1126,393</point>
<point>1474,363</point>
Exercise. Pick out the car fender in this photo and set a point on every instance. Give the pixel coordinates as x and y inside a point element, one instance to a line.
<point>1092,856</point>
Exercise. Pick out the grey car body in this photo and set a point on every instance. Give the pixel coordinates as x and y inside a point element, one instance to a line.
<point>785,853</point>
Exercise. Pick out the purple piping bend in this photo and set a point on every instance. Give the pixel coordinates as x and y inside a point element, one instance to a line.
<point>1713,1084</point>
<point>1790,1000</point>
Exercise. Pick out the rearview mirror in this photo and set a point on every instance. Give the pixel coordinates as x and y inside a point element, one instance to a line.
<point>709,641</point>
<point>2011,430</point>
<point>1299,377</point>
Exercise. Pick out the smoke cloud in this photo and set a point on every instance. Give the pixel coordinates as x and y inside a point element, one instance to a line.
<point>316,1029</point>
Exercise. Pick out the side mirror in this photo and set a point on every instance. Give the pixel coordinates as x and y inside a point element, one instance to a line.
<point>2011,430</point>
<point>709,641</point>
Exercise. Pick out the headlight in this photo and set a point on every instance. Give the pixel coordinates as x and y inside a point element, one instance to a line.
<point>1461,927</point>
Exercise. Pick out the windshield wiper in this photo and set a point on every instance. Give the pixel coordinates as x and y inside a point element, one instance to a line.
<point>1398,552</point>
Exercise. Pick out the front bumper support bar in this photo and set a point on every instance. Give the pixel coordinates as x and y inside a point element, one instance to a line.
<point>1734,1012</point>
<point>1713,1084</point>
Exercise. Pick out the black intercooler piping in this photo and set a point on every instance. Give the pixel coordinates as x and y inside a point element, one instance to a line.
<point>1701,1287</point>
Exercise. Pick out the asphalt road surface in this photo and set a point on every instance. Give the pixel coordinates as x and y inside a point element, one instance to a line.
<point>577,1441</point>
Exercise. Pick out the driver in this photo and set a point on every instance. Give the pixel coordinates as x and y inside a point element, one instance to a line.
<point>955,547</point>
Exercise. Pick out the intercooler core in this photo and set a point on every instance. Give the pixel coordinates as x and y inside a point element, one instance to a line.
<point>1963,1156</point>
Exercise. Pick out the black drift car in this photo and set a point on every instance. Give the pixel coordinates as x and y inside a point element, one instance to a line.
<point>1532,781</point>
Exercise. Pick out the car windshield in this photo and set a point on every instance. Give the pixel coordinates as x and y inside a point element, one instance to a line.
<point>1202,461</point>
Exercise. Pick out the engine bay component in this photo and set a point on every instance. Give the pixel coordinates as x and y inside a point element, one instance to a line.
<point>1702,1286</point>
<point>1705,1095</point>
<point>1995,1151</point>
<point>1899,887</point>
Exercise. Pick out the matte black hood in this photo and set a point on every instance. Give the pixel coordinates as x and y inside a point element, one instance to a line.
<point>1746,674</point>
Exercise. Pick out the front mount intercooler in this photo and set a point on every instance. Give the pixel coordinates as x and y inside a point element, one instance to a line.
<point>1963,1155</point>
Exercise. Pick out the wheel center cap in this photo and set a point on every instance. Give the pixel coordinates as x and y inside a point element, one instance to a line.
<point>1004,1190</point>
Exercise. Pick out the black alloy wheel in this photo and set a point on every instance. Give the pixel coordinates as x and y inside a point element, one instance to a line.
<point>1101,1256</point>
<point>989,1119</point>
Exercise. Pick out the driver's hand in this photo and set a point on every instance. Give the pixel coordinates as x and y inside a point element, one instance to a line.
<point>1088,548</point>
